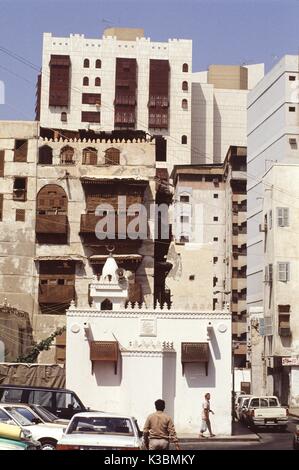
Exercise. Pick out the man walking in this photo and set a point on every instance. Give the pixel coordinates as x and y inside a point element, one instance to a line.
<point>205,417</point>
<point>159,429</point>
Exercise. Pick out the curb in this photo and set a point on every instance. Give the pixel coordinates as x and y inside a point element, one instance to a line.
<point>245,438</point>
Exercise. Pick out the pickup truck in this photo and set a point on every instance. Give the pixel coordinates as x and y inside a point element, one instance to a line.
<point>266,411</point>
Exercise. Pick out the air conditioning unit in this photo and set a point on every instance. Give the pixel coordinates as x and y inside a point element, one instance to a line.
<point>263,227</point>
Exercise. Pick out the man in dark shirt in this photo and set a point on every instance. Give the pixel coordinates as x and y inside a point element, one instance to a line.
<point>159,429</point>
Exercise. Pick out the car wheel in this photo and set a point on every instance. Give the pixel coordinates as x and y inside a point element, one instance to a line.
<point>48,444</point>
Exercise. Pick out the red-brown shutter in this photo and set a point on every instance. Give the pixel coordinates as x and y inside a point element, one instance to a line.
<point>2,153</point>
<point>59,80</point>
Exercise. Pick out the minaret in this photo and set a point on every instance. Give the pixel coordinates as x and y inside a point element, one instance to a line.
<point>110,292</point>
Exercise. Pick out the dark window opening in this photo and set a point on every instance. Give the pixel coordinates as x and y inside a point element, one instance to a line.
<point>292,109</point>
<point>215,196</point>
<point>97,81</point>
<point>91,98</point>
<point>106,305</point>
<point>215,259</point>
<point>63,117</point>
<point>20,189</point>
<point>45,155</point>
<point>86,63</point>
<point>185,104</point>
<point>185,86</point>
<point>161,149</point>
<point>98,64</point>
<point>184,199</point>
<point>184,139</point>
<point>85,81</point>
<point>20,152</point>
<point>215,219</point>
<point>185,68</point>
<point>215,239</point>
<point>292,78</point>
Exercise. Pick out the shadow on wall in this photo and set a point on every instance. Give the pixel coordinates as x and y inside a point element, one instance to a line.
<point>105,373</point>
<point>169,381</point>
<point>217,133</point>
<point>198,130</point>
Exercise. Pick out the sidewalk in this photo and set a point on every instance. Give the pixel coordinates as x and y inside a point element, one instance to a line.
<point>240,433</point>
<point>294,412</point>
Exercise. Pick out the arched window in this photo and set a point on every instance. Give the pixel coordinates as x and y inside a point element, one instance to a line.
<point>85,81</point>
<point>51,199</point>
<point>98,64</point>
<point>106,305</point>
<point>90,156</point>
<point>112,156</point>
<point>45,155</point>
<point>184,104</point>
<point>185,68</point>
<point>67,155</point>
<point>185,86</point>
<point>86,63</point>
<point>63,117</point>
<point>97,81</point>
<point>184,139</point>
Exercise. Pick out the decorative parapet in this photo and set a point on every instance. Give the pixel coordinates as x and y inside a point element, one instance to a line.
<point>134,311</point>
<point>62,140</point>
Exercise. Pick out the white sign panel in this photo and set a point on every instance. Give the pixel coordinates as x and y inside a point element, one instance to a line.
<point>147,327</point>
<point>290,361</point>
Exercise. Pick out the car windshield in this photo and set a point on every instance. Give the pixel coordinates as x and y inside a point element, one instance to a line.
<point>100,425</point>
<point>45,414</point>
<point>21,420</point>
<point>26,413</point>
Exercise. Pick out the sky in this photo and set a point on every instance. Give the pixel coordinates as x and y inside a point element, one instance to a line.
<point>222,31</point>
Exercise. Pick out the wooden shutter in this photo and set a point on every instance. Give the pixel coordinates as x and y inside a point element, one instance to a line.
<point>2,154</point>
<point>20,215</point>
<point>59,80</point>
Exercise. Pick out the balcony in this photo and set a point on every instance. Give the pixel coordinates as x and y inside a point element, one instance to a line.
<point>56,294</point>
<point>89,221</point>
<point>51,224</point>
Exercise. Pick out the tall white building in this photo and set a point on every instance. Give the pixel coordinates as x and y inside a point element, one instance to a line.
<point>219,104</point>
<point>122,82</point>
<point>273,211</point>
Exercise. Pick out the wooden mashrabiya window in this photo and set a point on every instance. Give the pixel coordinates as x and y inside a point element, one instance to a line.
<point>195,353</point>
<point>104,351</point>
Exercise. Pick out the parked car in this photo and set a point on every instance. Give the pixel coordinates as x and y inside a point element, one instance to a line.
<point>47,434</point>
<point>101,431</point>
<point>47,416</point>
<point>62,402</point>
<point>296,438</point>
<point>266,411</point>
<point>14,438</point>
<point>35,418</point>
<point>239,405</point>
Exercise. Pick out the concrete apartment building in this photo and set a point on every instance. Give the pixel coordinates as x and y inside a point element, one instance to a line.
<point>208,252</point>
<point>122,81</point>
<point>272,248</point>
<point>219,110</point>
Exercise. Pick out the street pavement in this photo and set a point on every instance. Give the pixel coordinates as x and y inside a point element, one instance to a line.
<point>270,439</point>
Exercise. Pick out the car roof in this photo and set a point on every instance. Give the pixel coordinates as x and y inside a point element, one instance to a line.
<point>101,414</point>
<point>29,387</point>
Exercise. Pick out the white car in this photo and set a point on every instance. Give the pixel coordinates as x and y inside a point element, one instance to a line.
<point>47,434</point>
<point>101,431</point>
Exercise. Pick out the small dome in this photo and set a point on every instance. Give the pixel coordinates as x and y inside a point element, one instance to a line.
<point>109,269</point>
